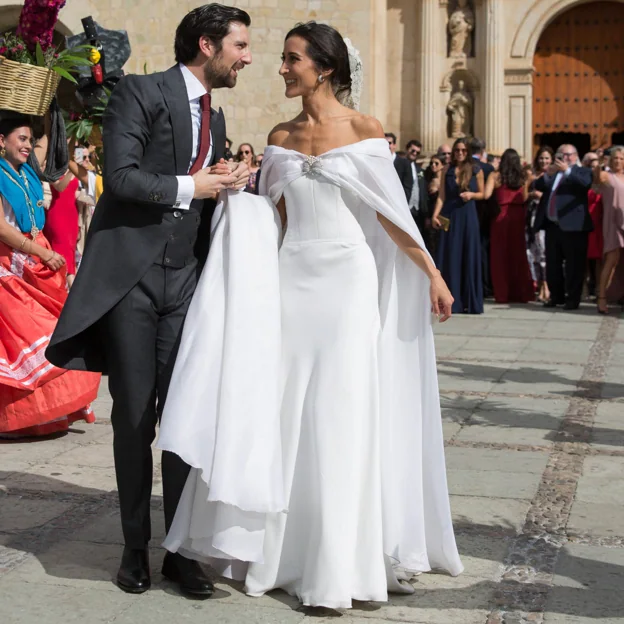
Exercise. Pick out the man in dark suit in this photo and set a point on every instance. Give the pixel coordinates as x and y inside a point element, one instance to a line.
<point>418,198</point>
<point>485,211</point>
<point>563,212</point>
<point>163,168</point>
<point>401,165</point>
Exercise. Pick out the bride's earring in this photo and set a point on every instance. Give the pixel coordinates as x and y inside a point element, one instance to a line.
<point>321,78</point>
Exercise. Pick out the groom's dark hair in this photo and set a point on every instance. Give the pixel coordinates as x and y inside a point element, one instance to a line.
<point>210,20</point>
<point>328,50</point>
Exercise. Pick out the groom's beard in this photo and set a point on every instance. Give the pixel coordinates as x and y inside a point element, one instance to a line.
<point>219,75</point>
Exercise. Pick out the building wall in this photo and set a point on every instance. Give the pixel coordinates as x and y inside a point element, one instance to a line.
<point>408,75</point>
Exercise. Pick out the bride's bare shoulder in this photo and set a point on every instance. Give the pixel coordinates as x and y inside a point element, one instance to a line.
<point>280,133</point>
<point>367,127</point>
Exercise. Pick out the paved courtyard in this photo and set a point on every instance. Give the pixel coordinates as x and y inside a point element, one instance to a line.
<point>533,407</point>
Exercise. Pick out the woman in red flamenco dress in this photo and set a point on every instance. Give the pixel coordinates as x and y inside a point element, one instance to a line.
<point>511,275</point>
<point>36,398</point>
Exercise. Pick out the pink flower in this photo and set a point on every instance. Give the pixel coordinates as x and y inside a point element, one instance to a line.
<point>37,21</point>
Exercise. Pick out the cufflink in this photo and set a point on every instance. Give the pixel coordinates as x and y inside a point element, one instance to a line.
<point>177,204</point>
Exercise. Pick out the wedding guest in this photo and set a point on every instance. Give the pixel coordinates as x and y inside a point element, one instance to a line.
<point>612,185</point>
<point>494,160</point>
<point>433,179</point>
<point>401,165</point>
<point>511,277</point>
<point>595,244</point>
<point>444,152</point>
<point>247,155</point>
<point>459,249</point>
<point>418,199</point>
<point>564,215</point>
<point>61,224</point>
<point>36,398</point>
<point>536,240</point>
<point>485,212</point>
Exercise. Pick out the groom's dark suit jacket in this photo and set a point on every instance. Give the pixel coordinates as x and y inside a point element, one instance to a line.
<point>147,142</point>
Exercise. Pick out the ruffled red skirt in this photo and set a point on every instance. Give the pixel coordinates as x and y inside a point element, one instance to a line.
<point>36,397</point>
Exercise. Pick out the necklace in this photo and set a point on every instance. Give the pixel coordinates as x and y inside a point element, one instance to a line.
<point>34,230</point>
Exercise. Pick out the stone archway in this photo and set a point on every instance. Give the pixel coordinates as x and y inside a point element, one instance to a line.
<point>578,85</point>
<point>535,21</point>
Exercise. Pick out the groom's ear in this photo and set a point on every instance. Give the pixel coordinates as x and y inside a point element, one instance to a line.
<point>207,47</point>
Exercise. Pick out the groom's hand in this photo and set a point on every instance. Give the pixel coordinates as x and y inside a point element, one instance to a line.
<point>209,185</point>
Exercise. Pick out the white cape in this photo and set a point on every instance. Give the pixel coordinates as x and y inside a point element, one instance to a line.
<point>222,411</point>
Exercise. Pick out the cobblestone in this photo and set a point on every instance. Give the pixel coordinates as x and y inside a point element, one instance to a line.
<point>537,547</point>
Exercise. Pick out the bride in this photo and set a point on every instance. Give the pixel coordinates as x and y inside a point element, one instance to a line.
<point>305,391</point>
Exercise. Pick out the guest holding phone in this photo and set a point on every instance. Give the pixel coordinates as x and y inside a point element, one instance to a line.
<point>563,213</point>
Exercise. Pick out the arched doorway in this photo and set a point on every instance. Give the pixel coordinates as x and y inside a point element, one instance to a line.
<point>578,88</point>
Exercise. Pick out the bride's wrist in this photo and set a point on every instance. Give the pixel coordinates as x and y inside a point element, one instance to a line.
<point>435,274</point>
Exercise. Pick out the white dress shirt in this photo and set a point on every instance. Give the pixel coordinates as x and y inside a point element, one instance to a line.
<point>194,89</point>
<point>414,201</point>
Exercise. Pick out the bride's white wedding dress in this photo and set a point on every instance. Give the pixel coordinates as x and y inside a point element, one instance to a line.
<point>305,391</point>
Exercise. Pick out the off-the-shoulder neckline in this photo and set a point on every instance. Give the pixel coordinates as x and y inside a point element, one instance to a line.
<point>335,149</point>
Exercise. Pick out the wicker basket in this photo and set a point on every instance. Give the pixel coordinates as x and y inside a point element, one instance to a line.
<point>27,89</point>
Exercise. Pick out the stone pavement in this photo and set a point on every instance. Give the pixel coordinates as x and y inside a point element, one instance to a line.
<point>534,423</point>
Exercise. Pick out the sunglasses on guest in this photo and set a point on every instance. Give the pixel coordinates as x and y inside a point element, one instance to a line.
<point>460,150</point>
<point>246,152</point>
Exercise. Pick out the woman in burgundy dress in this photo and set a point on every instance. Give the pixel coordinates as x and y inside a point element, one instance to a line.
<point>511,276</point>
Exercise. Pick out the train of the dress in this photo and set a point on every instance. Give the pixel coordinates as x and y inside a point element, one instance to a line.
<point>231,342</point>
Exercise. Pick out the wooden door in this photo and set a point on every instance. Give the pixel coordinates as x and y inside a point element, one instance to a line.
<point>579,75</point>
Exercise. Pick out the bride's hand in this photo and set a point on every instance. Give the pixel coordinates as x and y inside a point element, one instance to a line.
<point>221,168</point>
<point>241,171</point>
<point>441,298</point>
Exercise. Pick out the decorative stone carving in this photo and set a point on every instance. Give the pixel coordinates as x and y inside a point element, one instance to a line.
<point>460,26</point>
<point>519,76</point>
<point>460,112</point>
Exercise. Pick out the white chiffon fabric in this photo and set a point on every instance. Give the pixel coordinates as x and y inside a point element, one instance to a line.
<point>304,394</point>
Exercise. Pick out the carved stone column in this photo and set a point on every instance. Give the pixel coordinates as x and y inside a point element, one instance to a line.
<point>378,78</point>
<point>430,33</point>
<point>493,100</point>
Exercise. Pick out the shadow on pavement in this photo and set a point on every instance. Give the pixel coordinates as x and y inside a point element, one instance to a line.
<point>62,547</point>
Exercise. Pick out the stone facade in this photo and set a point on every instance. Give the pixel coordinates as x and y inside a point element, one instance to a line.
<point>410,74</point>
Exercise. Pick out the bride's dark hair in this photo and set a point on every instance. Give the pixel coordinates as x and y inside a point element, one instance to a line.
<point>327,49</point>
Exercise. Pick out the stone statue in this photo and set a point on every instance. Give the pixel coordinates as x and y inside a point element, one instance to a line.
<point>461,24</point>
<point>459,110</point>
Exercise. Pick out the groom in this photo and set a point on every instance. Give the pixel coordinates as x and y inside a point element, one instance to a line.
<point>148,240</point>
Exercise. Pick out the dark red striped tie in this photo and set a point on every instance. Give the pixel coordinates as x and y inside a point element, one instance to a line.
<point>204,137</point>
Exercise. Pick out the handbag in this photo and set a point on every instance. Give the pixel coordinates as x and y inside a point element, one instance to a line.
<point>445,223</point>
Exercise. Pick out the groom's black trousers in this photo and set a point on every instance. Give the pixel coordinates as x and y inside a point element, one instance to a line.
<point>142,333</point>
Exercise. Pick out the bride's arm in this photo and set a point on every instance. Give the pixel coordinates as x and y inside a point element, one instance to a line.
<point>441,298</point>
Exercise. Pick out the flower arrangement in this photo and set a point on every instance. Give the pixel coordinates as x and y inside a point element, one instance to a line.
<point>37,21</point>
<point>31,44</point>
<point>86,125</point>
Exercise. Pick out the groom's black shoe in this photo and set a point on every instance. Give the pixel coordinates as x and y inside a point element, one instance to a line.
<point>134,576</point>
<point>188,573</point>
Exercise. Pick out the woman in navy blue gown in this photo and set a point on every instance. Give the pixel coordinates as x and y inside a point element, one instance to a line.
<point>459,249</point>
